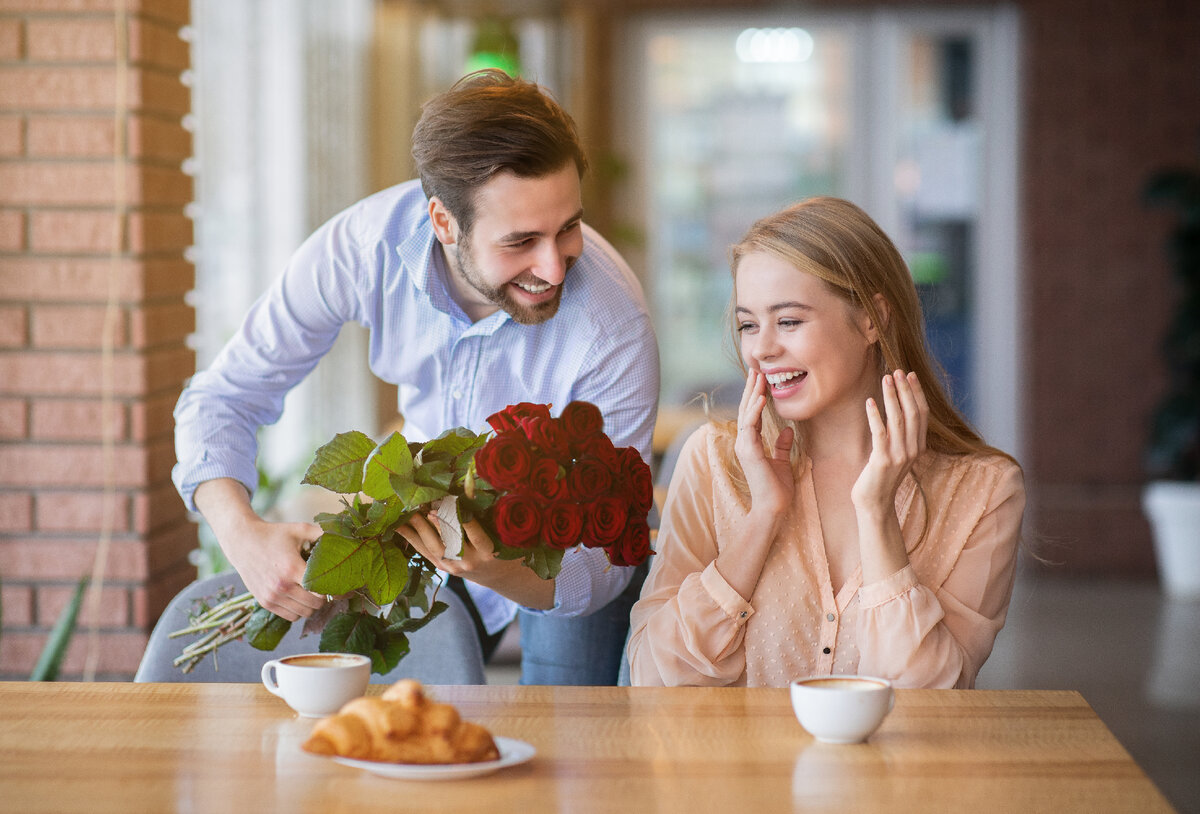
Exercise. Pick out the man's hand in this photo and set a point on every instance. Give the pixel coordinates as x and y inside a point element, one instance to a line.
<point>478,563</point>
<point>266,555</point>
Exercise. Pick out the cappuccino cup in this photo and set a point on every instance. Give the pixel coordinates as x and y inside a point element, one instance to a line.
<point>841,709</point>
<point>317,684</point>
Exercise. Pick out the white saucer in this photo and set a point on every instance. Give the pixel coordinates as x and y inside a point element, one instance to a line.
<point>512,753</point>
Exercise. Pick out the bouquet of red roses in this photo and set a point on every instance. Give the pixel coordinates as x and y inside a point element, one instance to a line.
<point>539,485</point>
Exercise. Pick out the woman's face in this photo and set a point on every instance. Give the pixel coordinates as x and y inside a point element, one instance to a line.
<point>813,346</point>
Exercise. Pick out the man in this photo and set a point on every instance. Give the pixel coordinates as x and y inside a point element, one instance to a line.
<point>481,287</point>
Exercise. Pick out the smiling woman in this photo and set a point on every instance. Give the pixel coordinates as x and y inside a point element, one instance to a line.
<point>851,522</point>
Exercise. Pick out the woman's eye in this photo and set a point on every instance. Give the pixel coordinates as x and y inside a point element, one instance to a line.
<point>745,326</point>
<point>790,323</point>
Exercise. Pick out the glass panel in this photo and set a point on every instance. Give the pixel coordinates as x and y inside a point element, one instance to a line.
<point>741,122</point>
<point>938,190</point>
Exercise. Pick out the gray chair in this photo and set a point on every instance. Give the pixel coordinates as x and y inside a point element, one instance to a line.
<point>446,651</point>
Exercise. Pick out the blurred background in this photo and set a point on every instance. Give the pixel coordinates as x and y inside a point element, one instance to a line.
<point>1006,147</point>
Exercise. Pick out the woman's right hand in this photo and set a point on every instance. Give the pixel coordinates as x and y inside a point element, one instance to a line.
<point>771,479</point>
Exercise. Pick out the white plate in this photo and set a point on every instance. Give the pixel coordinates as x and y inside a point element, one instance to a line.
<point>512,753</point>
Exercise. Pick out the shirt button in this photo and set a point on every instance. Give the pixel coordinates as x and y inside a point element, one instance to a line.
<point>457,394</point>
<point>825,651</point>
<point>830,616</point>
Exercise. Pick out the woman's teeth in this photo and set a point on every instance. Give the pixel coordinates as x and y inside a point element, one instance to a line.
<point>779,379</point>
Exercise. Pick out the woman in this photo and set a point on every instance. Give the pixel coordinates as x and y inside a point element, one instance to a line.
<point>851,521</point>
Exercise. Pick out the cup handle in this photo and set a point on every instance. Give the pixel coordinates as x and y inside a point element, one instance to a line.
<point>269,679</point>
<point>891,700</point>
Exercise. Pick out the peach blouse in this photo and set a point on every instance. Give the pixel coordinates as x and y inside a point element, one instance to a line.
<point>931,624</point>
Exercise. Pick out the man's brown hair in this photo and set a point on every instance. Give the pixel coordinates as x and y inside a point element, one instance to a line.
<point>489,122</point>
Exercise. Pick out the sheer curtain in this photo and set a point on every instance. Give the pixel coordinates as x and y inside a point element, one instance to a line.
<point>280,91</point>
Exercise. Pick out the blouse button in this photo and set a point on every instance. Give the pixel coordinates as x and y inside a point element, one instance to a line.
<point>743,614</point>
<point>825,651</point>
<point>830,616</point>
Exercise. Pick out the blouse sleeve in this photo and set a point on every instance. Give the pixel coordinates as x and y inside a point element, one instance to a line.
<point>924,637</point>
<point>689,624</point>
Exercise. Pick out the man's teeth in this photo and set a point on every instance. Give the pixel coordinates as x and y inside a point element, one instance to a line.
<point>776,379</point>
<point>534,289</point>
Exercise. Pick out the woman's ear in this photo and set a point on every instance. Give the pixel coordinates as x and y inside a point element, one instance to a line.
<point>883,313</point>
<point>445,227</point>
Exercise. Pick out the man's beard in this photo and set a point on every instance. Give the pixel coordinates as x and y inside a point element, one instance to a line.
<point>502,296</point>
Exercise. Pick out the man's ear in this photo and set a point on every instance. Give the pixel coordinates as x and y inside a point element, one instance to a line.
<point>870,329</point>
<point>445,227</point>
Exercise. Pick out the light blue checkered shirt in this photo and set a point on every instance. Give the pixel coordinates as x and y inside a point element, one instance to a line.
<point>375,263</point>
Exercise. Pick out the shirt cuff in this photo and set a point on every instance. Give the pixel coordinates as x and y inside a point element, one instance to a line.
<point>877,593</point>
<point>729,600</point>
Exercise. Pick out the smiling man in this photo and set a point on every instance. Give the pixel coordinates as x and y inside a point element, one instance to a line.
<point>481,287</point>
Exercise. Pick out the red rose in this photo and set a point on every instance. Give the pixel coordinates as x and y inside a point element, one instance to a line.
<point>601,448</point>
<point>544,481</point>
<point>505,461</point>
<point>605,521</point>
<point>633,548</point>
<point>581,420</point>
<point>510,417</point>
<point>563,524</point>
<point>589,479</point>
<point>546,434</point>
<point>636,481</point>
<point>518,520</point>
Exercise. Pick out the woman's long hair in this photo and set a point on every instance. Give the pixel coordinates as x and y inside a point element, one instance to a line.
<point>838,242</point>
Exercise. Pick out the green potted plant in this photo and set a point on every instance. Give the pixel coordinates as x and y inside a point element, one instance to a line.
<point>1172,498</point>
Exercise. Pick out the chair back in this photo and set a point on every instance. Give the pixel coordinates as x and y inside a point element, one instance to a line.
<point>446,651</point>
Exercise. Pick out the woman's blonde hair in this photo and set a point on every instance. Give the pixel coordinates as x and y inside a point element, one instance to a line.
<point>839,243</point>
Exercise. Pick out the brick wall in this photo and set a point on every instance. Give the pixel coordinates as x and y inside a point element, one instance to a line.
<point>92,237</point>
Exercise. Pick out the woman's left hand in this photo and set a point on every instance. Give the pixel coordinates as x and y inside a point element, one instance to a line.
<point>896,442</point>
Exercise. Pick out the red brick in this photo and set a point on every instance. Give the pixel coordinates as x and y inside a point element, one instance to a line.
<point>18,605</point>
<point>90,280</point>
<point>65,373</point>
<point>153,417</point>
<point>77,326</point>
<point>14,419</point>
<point>81,511</point>
<point>16,512</point>
<point>151,137</point>
<point>158,324</point>
<point>12,135</point>
<point>91,232</point>
<point>75,183</point>
<point>158,508</point>
<point>14,326</point>
<point>78,465</point>
<point>76,420</point>
<point>160,92</point>
<point>152,232</point>
<point>74,88</point>
<point>167,549</point>
<point>12,233</point>
<point>71,39</point>
<point>116,655</point>
<point>113,611</point>
<point>71,136</point>
<point>153,43</point>
<point>25,558</point>
<point>10,39</point>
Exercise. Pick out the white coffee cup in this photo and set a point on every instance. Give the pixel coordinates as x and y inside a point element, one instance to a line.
<point>841,708</point>
<point>317,684</point>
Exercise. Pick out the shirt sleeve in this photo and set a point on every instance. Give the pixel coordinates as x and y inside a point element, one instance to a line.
<point>688,627</point>
<point>939,638</point>
<point>283,336</point>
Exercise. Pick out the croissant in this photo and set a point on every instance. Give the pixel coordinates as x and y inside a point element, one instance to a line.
<point>401,726</point>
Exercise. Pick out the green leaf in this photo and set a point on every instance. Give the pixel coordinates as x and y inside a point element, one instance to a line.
<point>435,473</point>
<point>342,523</point>
<point>415,623</point>
<point>338,565</point>
<point>366,634</point>
<point>391,460</point>
<point>544,561</point>
<point>416,496</point>
<point>452,444</point>
<point>387,574</point>
<point>382,516</point>
<point>56,646</point>
<point>264,629</point>
<point>338,465</point>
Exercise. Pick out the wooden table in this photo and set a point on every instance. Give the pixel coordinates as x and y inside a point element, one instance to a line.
<point>234,747</point>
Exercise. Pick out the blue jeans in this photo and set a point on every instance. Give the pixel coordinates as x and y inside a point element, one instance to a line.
<point>580,650</point>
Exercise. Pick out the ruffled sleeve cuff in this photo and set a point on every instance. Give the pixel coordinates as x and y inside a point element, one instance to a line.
<point>877,593</point>
<point>723,594</point>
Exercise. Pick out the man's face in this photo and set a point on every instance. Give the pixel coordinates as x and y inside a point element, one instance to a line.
<point>526,235</point>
